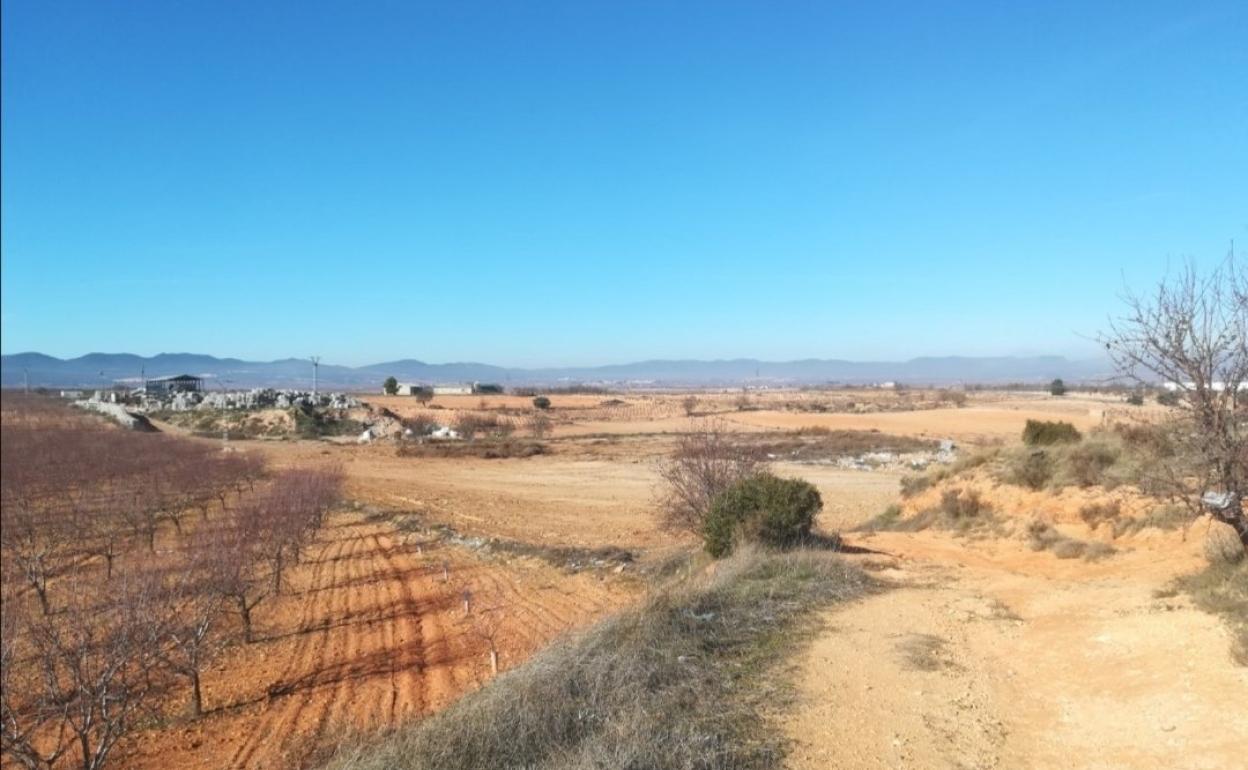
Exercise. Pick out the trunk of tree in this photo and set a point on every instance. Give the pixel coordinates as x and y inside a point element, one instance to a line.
<point>1234,515</point>
<point>108,560</point>
<point>41,590</point>
<point>277,574</point>
<point>493,661</point>
<point>197,698</point>
<point>244,612</point>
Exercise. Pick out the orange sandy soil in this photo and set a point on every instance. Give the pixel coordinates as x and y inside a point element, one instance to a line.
<point>988,417</point>
<point>1034,662</point>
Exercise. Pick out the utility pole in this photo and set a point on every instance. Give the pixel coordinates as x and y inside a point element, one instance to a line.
<point>26,379</point>
<point>316,363</point>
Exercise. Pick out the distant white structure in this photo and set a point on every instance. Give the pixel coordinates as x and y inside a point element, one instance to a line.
<point>410,388</point>
<point>457,389</point>
<point>1217,387</point>
<point>74,394</point>
<point>445,432</point>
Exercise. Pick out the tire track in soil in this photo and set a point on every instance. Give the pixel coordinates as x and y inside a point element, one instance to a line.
<point>247,745</point>
<point>381,641</point>
<point>407,636</point>
<point>357,688</point>
<point>315,668</point>
<point>267,733</point>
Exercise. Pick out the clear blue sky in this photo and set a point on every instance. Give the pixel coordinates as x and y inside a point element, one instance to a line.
<point>583,182</point>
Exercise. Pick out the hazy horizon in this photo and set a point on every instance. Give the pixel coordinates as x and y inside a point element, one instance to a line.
<point>572,184</point>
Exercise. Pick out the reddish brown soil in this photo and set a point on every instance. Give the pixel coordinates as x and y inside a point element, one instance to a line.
<point>367,634</point>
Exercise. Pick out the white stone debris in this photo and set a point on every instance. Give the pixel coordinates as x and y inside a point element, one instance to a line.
<point>256,398</point>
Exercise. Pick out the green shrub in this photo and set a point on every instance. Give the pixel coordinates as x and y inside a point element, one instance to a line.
<point>1169,398</point>
<point>1047,433</point>
<point>1057,388</point>
<point>763,508</point>
<point>390,386</point>
<point>541,402</point>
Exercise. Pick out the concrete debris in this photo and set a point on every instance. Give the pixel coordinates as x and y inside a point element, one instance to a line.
<point>256,398</point>
<point>117,414</point>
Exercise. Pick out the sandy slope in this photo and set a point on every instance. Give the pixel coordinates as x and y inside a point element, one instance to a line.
<point>989,656</point>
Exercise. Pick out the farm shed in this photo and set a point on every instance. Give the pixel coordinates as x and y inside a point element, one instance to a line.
<point>183,383</point>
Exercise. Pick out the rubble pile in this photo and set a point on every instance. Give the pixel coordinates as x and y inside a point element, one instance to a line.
<point>256,398</point>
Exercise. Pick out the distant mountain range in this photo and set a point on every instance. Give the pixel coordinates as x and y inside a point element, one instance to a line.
<point>95,369</point>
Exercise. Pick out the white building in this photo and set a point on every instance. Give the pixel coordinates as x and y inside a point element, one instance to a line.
<point>458,389</point>
<point>411,388</point>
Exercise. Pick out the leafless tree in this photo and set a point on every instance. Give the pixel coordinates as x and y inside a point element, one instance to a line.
<point>32,732</point>
<point>95,670</point>
<point>689,404</point>
<point>705,462</point>
<point>539,425</point>
<point>196,597</point>
<point>1192,334</point>
<point>236,542</point>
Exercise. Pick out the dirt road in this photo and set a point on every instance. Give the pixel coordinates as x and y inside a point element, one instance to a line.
<point>990,656</point>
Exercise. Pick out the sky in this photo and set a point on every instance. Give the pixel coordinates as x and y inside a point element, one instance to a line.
<point>581,183</point>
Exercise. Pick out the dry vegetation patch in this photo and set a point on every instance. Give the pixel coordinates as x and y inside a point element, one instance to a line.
<point>486,449</point>
<point>816,444</point>
<point>1222,588</point>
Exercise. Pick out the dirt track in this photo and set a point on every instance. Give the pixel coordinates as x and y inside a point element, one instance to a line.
<point>367,635</point>
<point>990,656</point>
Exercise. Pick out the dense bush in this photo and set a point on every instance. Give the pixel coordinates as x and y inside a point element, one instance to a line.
<point>390,386</point>
<point>1057,388</point>
<point>1169,398</point>
<point>541,402</point>
<point>763,508</point>
<point>1046,433</point>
